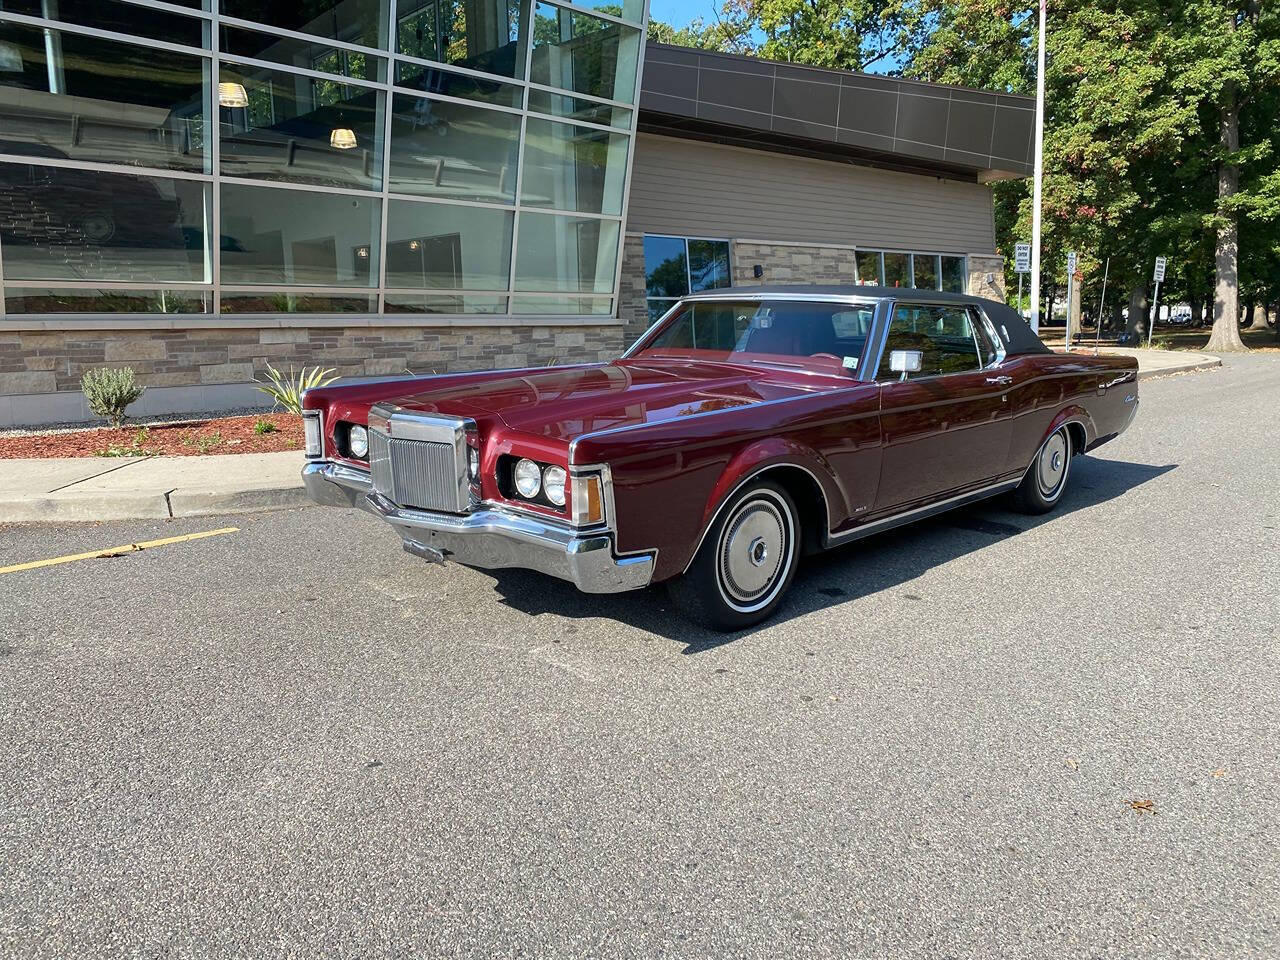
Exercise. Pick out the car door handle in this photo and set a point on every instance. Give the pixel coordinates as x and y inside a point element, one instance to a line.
<point>1001,381</point>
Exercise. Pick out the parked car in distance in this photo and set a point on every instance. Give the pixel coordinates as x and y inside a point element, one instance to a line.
<point>746,428</point>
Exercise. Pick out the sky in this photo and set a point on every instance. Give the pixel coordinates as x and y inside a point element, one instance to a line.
<point>679,12</point>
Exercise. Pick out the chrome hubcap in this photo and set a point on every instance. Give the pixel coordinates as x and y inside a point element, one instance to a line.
<point>1051,467</point>
<point>751,551</point>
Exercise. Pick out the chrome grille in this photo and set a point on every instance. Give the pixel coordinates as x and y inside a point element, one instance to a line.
<point>417,473</point>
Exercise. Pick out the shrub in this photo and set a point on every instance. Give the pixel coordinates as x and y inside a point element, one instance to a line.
<point>109,392</point>
<point>264,426</point>
<point>286,389</point>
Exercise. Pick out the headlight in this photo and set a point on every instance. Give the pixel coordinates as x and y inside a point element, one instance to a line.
<point>359,443</point>
<point>473,463</point>
<point>553,482</point>
<point>528,479</point>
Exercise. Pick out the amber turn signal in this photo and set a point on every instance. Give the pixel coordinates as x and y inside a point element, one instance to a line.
<point>588,503</point>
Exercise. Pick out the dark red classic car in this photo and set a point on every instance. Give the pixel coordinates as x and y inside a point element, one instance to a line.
<point>746,428</point>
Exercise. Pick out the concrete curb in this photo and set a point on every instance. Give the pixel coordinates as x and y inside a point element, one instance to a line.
<point>1201,362</point>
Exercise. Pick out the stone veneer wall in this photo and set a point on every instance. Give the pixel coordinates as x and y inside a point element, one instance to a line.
<point>979,267</point>
<point>631,300</point>
<point>39,362</point>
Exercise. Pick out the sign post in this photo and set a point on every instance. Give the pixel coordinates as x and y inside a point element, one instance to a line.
<point>1038,177</point>
<point>1021,263</point>
<point>1102,306</point>
<point>1071,282</point>
<point>1161,263</point>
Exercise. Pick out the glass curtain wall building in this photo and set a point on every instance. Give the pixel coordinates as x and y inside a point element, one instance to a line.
<point>251,157</point>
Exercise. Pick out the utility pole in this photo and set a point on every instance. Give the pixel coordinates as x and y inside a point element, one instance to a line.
<point>1039,176</point>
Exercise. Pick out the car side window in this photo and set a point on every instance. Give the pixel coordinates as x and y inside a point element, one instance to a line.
<point>950,339</point>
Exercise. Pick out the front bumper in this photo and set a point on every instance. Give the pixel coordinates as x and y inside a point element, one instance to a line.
<point>488,537</point>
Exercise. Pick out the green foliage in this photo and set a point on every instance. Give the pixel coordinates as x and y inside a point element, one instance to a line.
<point>285,390</point>
<point>264,426</point>
<point>109,392</point>
<point>136,449</point>
<point>205,443</point>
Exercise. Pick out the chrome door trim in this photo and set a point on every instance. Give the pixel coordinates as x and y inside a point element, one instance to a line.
<point>923,511</point>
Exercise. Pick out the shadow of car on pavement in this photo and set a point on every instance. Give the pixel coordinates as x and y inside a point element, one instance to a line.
<point>856,570</point>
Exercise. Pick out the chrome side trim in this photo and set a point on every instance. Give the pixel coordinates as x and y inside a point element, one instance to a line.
<point>921,512</point>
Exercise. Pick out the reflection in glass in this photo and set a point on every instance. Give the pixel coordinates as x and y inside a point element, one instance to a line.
<point>116,16</point>
<point>572,254</point>
<point>352,21</point>
<point>897,270</point>
<point>953,274</point>
<point>447,246</point>
<point>81,300</point>
<point>666,267</point>
<point>573,168</point>
<point>562,306</point>
<point>869,268</point>
<point>924,268</point>
<point>584,54</point>
<point>287,130</point>
<point>438,303</point>
<point>476,34</point>
<point>445,149</point>
<point>63,224</point>
<point>273,236</point>
<point>285,302</point>
<point>307,54</point>
<point>576,108</point>
<point>462,85</point>
<point>69,96</point>
<point>708,264</point>
<point>631,10</point>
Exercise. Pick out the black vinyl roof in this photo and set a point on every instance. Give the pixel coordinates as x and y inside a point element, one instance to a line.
<point>836,114</point>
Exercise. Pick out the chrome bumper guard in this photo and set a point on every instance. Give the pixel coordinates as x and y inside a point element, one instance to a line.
<point>488,537</point>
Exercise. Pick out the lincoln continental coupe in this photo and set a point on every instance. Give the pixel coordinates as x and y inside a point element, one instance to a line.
<point>747,428</point>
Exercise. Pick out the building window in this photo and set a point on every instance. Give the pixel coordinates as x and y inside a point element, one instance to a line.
<point>677,266</point>
<point>921,271</point>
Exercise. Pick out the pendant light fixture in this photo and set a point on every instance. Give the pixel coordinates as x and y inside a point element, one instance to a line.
<point>232,95</point>
<point>342,138</point>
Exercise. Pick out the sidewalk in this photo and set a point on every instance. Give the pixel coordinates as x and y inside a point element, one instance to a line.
<point>100,488</point>
<point>97,488</point>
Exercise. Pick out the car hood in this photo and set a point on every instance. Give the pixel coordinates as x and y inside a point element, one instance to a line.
<point>564,403</point>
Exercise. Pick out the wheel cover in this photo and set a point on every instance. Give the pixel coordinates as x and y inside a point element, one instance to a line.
<point>755,552</point>
<point>1051,465</point>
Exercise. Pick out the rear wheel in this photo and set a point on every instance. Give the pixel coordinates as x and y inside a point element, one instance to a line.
<point>745,563</point>
<point>1046,479</point>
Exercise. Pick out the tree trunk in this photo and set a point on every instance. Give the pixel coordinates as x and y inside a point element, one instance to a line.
<point>1117,317</point>
<point>1136,326</point>
<point>1226,311</point>
<point>1197,311</point>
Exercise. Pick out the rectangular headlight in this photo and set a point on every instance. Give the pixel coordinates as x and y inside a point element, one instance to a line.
<point>311,430</point>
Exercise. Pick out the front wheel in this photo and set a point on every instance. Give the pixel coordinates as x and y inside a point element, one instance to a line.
<point>745,563</point>
<point>1046,478</point>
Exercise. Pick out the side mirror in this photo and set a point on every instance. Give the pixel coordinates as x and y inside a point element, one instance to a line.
<point>905,361</point>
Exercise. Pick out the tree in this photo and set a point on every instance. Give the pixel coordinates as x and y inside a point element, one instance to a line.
<point>729,33</point>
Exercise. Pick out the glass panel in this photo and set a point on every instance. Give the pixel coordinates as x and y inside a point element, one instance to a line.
<point>445,149</point>
<point>463,85</point>
<point>563,306</point>
<point>73,97</point>
<point>869,268</point>
<point>283,302</point>
<point>925,271</point>
<point>299,129</point>
<point>897,270</point>
<point>573,168</point>
<point>440,30</point>
<point>656,308</point>
<point>943,335</point>
<point>448,246</point>
<point>582,53</point>
<point>306,54</point>
<point>571,254</point>
<point>352,21</point>
<point>291,237</point>
<point>666,269</point>
<point>709,264</point>
<point>627,9</point>
<point>84,225</point>
<point>576,108</point>
<point>436,303</point>
<point>118,17</point>
<point>953,274</point>
<point>55,300</point>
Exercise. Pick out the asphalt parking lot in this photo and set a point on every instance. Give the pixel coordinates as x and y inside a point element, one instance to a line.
<point>985,735</point>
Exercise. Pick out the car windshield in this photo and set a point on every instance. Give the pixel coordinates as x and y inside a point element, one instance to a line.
<point>788,332</point>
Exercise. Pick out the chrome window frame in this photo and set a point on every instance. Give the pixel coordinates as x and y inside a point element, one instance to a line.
<point>970,306</point>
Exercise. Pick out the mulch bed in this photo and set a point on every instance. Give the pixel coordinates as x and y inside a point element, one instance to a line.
<point>190,438</point>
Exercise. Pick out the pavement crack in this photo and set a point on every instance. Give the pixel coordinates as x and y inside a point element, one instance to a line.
<point>168,504</point>
<point>120,466</point>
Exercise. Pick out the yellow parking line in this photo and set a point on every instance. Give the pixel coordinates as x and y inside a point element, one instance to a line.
<point>116,551</point>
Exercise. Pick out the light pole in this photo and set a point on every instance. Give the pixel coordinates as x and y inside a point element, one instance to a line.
<point>1039,176</point>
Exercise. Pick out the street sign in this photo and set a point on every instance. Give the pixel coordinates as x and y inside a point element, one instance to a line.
<point>1160,265</point>
<point>1071,264</point>
<point>1022,257</point>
